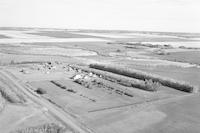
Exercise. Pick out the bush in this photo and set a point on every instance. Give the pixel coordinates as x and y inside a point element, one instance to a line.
<point>152,86</point>
<point>41,91</point>
<point>45,128</point>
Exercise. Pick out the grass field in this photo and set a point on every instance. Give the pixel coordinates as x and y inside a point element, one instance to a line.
<point>187,56</point>
<point>3,36</point>
<point>141,85</point>
<point>61,34</point>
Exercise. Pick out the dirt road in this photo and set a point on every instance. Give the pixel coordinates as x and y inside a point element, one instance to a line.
<point>57,112</point>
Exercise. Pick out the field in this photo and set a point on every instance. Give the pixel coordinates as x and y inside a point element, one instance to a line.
<point>192,57</point>
<point>98,81</point>
<point>3,36</point>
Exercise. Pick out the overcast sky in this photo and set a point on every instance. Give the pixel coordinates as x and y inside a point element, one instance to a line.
<point>153,15</point>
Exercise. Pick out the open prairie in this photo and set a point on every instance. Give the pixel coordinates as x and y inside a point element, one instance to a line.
<point>98,81</point>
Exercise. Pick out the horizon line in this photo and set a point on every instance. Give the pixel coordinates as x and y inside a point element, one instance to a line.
<point>151,31</point>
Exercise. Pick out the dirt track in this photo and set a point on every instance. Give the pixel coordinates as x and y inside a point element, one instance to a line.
<point>58,113</point>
